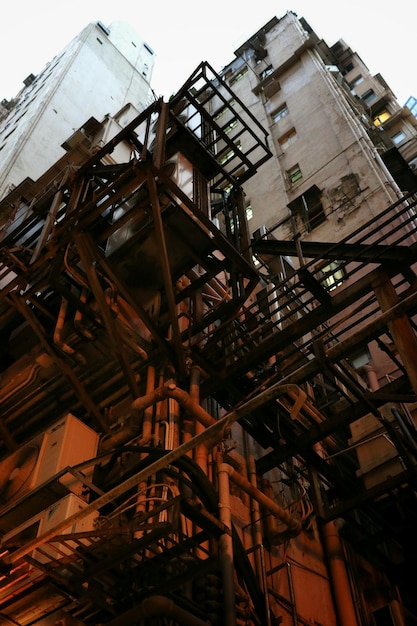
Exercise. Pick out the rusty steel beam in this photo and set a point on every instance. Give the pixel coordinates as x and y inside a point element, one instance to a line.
<point>400,327</point>
<point>212,433</point>
<point>378,253</point>
<point>134,303</point>
<point>80,391</point>
<point>166,271</point>
<point>88,259</point>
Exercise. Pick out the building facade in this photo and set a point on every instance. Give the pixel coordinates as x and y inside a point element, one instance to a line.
<point>208,380</point>
<point>338,135</point>
<point>412,105</point>
<point>57,102</point>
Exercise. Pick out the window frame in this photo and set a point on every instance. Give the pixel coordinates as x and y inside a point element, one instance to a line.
<point>280,113</point>
<point>288,138</point>
<point>294,174</point>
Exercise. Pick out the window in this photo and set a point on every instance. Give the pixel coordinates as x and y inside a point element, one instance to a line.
<point>398,137</point>
<point>331,275</point>
<point>347,68</point>
<point>9,133</point>
<point>381,117</point>
<point>294,174</point>
<point>235,220</point>
<point>309,208</point>
<point>237,77</point>
<point>369,96</point>
<point>266,72</point>
<point>148,48</point>
<point>224,109</point>
<point>228,156</point>
<point>286,140</point>
<point>357,81</point>
<point>280,113</point>
<point>230,126</point>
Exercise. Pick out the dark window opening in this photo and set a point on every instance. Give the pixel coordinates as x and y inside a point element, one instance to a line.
<point>347,68</point>
<point>309,208</point>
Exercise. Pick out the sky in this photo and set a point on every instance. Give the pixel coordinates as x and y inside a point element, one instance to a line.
<point>186,32</point>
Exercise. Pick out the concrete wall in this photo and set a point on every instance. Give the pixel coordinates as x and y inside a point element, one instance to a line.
<point>91,77</point>
<point>331,145</point>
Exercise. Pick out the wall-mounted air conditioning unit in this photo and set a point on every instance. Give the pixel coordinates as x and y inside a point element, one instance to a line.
<point>378,457</point>
<point>65,444</point>
<point>68,442</point>
<point>46,521</point>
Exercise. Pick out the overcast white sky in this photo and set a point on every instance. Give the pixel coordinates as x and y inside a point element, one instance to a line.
<point>186,32</point>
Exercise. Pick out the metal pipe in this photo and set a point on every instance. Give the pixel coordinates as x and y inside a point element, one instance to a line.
<point>200,452</point>
<point>338,575</point>
<point>59,327</point>
<point>188,424</point>
<point>166,270</point>
<point>148,412</point>
<point>371,377</point>
<point>79,316</point>
<point>292,593</point>
<point>212,433</point>
<point>259,550</point>
<point>153,607</point>
<point>48,225</point>
<point>146,433</point>
<point>196,410</point>
<point>256,516</point>
<point>226,544</point>
<point>294,526</point>
<point>402,332</point>
<point>182,397</point>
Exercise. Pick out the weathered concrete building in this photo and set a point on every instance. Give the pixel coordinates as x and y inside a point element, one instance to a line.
<point>204,425</point>
<point>99,71</point>
<point>338,135</point>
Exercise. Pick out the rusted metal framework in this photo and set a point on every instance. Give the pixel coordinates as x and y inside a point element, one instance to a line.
<point>119,296</point>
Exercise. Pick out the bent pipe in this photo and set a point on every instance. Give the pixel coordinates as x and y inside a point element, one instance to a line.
<point>205,490</point>
<point>182,397</point>
<point>156,606</point>
<point>170,390</point>
<point>294,526</point>
<point>212,432</point>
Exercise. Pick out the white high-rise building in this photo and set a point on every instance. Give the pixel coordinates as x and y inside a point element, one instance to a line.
<point>97,73</point>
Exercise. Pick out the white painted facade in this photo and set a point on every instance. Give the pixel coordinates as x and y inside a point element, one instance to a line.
<point>100,71</point>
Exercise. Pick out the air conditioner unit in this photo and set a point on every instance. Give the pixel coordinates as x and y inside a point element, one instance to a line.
<point>68,443</point>
<point>18,471</point>
<point>78,138</point>
<point>46,521</point>
<point>377,456</point>
<point>260,232</point>
<point>65,444</point>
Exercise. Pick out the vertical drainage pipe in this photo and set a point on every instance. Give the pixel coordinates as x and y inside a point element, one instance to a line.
<point>256,518</point>
<point>226,544</point>
<point>58,331</point>
<point>146,436</point>
<point>258,538</point>
<point>402,332</point>
<point>340,581</point>
<point>371,377</point>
